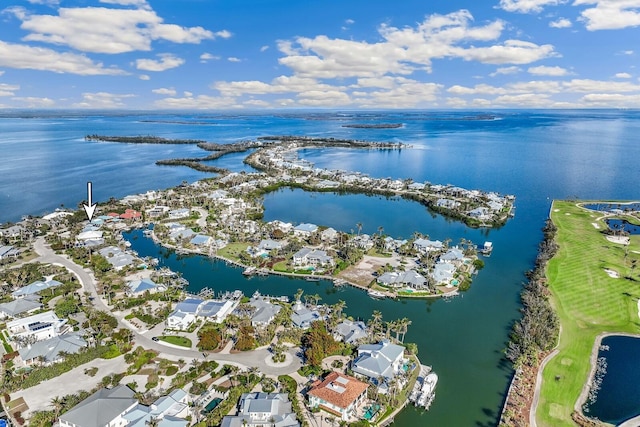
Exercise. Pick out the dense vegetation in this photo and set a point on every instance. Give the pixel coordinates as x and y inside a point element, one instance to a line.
<point>537,330</point>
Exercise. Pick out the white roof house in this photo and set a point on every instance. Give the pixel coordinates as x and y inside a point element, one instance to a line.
<point>425,245</point>
<point>397,279</point>
<point>262,409</point>
<point>38,327</point>
<point>378,360</point>
<point>49,351</point>
<point>311,257</point>
<point>305,230</point>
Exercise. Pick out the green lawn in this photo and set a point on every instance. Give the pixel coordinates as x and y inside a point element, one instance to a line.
<point>588,302</point>
<point>232,250</point>
<point>176,340</point>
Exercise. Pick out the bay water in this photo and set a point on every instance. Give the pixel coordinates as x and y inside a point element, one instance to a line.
<point>535,155</point>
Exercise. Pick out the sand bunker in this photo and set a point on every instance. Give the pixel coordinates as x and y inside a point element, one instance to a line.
<point>622,240</point>
<point>612,274</point>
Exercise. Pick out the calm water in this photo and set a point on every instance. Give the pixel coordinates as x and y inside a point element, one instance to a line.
<point>536,156</point>
<point>621,224</point>
<point>618,397</point>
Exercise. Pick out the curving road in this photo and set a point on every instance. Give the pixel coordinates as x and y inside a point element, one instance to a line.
<point>256,358</point>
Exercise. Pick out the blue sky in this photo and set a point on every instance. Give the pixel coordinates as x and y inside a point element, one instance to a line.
<point>341,54</point>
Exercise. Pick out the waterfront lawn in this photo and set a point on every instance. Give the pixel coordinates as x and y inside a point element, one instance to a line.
<point>233,250</point>
<point>176,340</point>
<point>588,302</point>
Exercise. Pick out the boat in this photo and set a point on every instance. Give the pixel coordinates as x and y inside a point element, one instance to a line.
<point>339,282</point>
<point>249,271</point>
<point>427,391</point>
<point>486,248</point>
<point>312,279</point>
<point>376,294</point>
<point>147,232</point>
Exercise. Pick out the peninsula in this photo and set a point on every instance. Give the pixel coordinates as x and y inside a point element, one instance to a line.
<point>586,283</point>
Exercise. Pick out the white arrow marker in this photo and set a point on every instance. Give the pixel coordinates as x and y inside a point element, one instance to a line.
<point>92,206</point>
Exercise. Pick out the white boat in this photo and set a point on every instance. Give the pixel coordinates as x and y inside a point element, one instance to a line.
<point>487,248</point>
<point>249,271</point>
<point>428,390</point>
<point>376,294</point>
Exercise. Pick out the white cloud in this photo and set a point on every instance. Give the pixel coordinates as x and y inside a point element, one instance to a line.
<point>38,58</point>
<point>138,3</point>
<point>206,57</point>
<point>404,50</point>
<point>105,30</point>
<point>506,70</point>
<point>165,91</point>
<point>318,98</point>
<point>560,23</point>
<point>166,62</point>
<point>198,102</point>
<point>144,77</point>
<point>457,102</point>
<point>544,70</point>
<point>223,34</point>
<point>610,14</point>
<point>600,86</point>
<point>263,48</point>
<point>349,21</point>
<point>608,100</point>
<point>527,6</point>
<point>234,59</point>
<point>623,75</point>
<point>481,88</point>
<point>1,72</point>
<point>627,52</point>
<point>45,2</point>
<point>282,84</point>
<point>187,94</point>
<point>34,102</point>
<point>7,89</point>
<point>256,103</point>
<point>102,100</point>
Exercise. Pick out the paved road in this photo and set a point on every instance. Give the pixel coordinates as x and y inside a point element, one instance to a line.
<point>255,358</point>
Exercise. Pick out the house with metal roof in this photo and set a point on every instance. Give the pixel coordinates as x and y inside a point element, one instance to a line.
<point>311,257</point>
<point>398,279</point>
<point>264,410</point>
<point>216,310</point>
<point>302,316</point>
<point>304,229</point>
<point>115,256</point>
<point>184,314</point>
<point>338,394</point>
<point>201,240</point>
<point>35,287</point>
<point>104,408</point>
<point>50,350</point>
<point>382,360</point>
<point>426,245</point>
<point>18,306</point>
<point>142,285</point>
<point>168,411</point>
<point>350,331</point>
<point>443,272</point>
<point>265,311</point>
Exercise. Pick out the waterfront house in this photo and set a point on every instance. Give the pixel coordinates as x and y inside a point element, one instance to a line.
<point>183,234</point>
<point>157,211</point>
<point>304,230</point>
<point>443,272</point>
<point>37,327</point>
<point>201,240</point>
<point>285,227</point>
<point>50,351</point>
<point>265,312</point>
<point>302,316</point>
<point>184,314</point>
<point>143,285</point>
<point>447,203</point>
<point>363,241</point>
<point>338,394</point>
<point>424,245</point>
<point>90,238</point>
<point>115,256</point>
<point>453,255</point>
<point>398,279</point>
<point>104,408</point>
<point>311,257</point>
<point>382,360</point>
<point>329,235</point>
<point>262,410</point>
<point>18,306</point>
<point>416,186</point>
<point>350,331</point>
<point>216,310</point>
<point>35,287</point>
<point>480,213</point>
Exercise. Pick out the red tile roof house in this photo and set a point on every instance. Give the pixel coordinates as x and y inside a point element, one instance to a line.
<point>131,214</point>
<point>338,394</point>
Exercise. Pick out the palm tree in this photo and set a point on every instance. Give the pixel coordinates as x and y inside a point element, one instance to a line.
<point>338,307</point>
<point>57,403</point>
<point>359,227</point>
<point>404,326</point>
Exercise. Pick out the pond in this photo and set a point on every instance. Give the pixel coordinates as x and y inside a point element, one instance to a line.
<point>610,206</point>
<point>618,224</point>
<point>616,394</point>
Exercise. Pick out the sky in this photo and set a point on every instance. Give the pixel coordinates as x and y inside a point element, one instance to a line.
<point>325,54</point>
